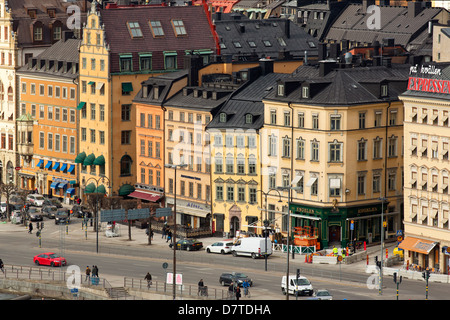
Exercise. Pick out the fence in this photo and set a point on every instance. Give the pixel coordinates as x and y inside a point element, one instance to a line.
<point>189,290</point>
<point>297,249</point>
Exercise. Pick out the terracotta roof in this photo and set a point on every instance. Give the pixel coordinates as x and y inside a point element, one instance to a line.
<point>198,35</point>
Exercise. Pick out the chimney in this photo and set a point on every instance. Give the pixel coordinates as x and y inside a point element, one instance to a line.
<point>414,8</point>
<point>193,64</point>
<point>326,66</point>
<point>241,28</point>
<point>387,62</point>
<point>376,48</point>
<point>287,28</point>
<point>334,50</point>
<point>266,66</point>
<point>366,4</point>
<point>322,51</point>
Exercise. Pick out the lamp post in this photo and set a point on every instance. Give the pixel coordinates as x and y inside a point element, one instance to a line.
<point>382,199</point>
<point>174,217</point>
<point>266,222</point>
<point>288,235</point>
<point>97,182</point>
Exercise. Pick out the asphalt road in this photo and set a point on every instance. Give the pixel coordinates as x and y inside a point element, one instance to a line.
<point>125,260</point>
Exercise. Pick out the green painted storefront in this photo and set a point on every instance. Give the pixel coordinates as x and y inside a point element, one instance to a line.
<point>334,224</point>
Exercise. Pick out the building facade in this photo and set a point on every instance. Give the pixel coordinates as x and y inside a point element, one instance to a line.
<point>48,103</point>
<point>426,198</point>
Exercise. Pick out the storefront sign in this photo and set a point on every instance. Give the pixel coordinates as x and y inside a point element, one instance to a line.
<point>426,70</point>
<point>429,85</point>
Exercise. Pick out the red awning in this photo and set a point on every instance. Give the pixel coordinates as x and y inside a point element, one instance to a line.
<point>145,196</point>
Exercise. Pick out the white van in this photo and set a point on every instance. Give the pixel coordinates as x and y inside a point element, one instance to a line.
<point>252,247</point>
<point>303,286</point>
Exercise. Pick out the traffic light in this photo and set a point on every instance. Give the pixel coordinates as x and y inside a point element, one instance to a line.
<point>298,273</point>
<point>37,225</point>
<point>426,274</point>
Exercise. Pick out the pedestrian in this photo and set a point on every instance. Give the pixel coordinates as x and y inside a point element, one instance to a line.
<point>88,274</point>
<point>335,251</point>
<point>163,232</point>
<point>238,292</point>
<point>169,236</point>
<point>246,285</point>
<point>94,271</point>
<point>231,290</point>
<point>151,234</point>
<point>200,286</point>
<point>2,266</point>
<point>30,228</point>
<point>148,277</point>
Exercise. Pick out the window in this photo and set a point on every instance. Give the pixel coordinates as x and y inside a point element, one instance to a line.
<point>335,122</point>
<point>179,28</point>
<point>156,28</point>
<point>92,135</point>
<point>237,44</point>
<point>102,112</point>
<point>50,141</point>
<point>286,147</point>
<point>315,121</point>
<point>361,184</point>
<point>384,90</point>
<point>252,195</point>
<point>305,92</point>
<point>314,151</point>
<point>101,136</point>
<point>393,118</point>
<point>145,62</point>
<point>267,43</point>
<point>219,164</point>
<point>273,117</point>
<point>335,151</point>
<point>378,115</point>
<point>392,181</point>
<point>362,154</point>
<point>126,137</point>
<point>41,140</point>
<point>240,166</point>
<point>126,112</point>
<point>57,142</point>
<point>219,192</point>
<point>362,120</point>
<point>92,111</point>
<point>230,193</point>
<point>272,145</point>
<point>335,187</point>
<point>377,150</point>
<point>83,134</point>
<point>37,34</point>
<point>287,119</point>
<point>392,147</point>
<point>134,29</point>
<point>230,165</point>
<point>301,120</point>
<point>41,112</point>
<point>125,165</point>
<point>376,185</point>
<point>41,90</point>
<point>125,63</point>
<point>223,117</point>
<point>248,118</point>
<point>300,149</point>
<point>170,61</point>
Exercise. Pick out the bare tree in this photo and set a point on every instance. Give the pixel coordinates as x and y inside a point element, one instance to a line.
<point>7,190</point>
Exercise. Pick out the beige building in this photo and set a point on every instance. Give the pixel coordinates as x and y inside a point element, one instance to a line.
<point>426,168</point>
<point>335,136</point>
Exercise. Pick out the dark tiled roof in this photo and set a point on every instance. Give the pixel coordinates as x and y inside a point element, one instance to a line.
<point>297,41</point>
<point>164,83</point>
<point>198,36</point>
<point>396,22</point>
<point>23,24</point>
<point>59,53</point>
<point>186,99</point>
<point>346,87</point>
<point>247,101</point>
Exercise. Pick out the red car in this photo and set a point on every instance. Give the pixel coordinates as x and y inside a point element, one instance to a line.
<point>49,259</point>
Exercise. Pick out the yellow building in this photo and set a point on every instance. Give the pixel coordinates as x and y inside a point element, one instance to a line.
<point>47,126</point>
<point>334,143</point>
<point>426,168</point>
<point>112,67</point>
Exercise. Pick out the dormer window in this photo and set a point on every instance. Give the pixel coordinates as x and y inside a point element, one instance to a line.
<point>37,32</point>
<point>280,90</point>
<point>248,118</point>
<point>155,92</point>
<point>32,13</point>
<point>223,117</point>
<point>305,92</point>
<point>51,13</point>
<point>144,91</point>
<point>384,90</point>
<point>179,28</point>
<point>134,29</point>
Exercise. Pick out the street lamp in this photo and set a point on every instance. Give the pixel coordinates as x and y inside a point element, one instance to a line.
<point>266,222</point>
<point>382,199</point>
<point>174,217</point>
<point>97,183</point>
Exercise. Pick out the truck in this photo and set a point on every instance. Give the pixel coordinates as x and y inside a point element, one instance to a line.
<point>252,247</point>
<point>300,286</point>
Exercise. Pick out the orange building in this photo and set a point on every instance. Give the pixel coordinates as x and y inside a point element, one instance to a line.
<point>47,125</point>
<point>150,140</point>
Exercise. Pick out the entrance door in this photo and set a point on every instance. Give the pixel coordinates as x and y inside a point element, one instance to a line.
<point>234,225</point>
<point>334,234</point>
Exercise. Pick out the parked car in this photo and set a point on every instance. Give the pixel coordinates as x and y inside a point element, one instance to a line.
<point>49,211</point>
<point>323,295</point>
<point>252,247</point>
<point>220,247</point>
<point>188,244</point>
<point>49,259</point>
<point>3,207</point>
<point>36,200</point>
<point>53,202</point>
<point>236,277</point>
<point>62,216</point>
<point>35,215</point>
<point>16,217</point>
<point>300,285</point>
<point>80,211</point>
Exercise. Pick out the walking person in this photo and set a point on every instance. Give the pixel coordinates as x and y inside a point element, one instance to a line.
<point>30,228</point>
<point>169,236</point>
<point>2,266</point>
<point>88,274</point>
<point>231,290</point>
<point>200,286</point>
<point>163,232</point>
<point>238,292</point>
<point>148,277</point>
<point>94,271</point>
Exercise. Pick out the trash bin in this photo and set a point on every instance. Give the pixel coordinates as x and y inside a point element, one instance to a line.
<point>95,281</point>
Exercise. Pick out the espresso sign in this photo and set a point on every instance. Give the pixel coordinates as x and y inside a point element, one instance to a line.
<point>429,85</point>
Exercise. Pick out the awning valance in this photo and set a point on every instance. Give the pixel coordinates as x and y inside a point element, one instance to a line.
<point>99,161</point>
<point>71,191</point>
<point>80,157</point>
<point>417,245</point>
<point>81,105</point>
<point>101,189</point>
<point>40,163</point>
<point>125,190</point>
<point>90,188</point>
<point>127,87</point>
<point>56,166</point>
<point>89,161</point>
<point>63,167</point>
<point>153,197</point>
<point>48,165</point>
<point>71,168</point>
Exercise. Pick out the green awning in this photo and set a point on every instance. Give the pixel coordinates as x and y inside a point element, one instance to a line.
<point>101,189</point>
<point>99,161</point>
<point>90,188</point>
<point>81,105</point>
<point>80,157</point>
<point>90,83</point>
<point>127,87</point>
<point>89,161</point>
<point>126,189</point>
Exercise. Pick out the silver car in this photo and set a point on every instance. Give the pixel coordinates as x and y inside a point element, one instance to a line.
<point>323,295</point>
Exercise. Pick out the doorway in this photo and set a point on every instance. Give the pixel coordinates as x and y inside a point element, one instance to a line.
<point>334,234</point>
<point>234,226</point>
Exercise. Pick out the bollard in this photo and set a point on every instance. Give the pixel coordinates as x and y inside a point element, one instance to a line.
<point>365,248</point>
<point>367,259</point>
<point>387,253</point>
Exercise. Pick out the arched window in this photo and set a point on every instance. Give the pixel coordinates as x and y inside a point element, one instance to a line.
<point>2,91</point>
<point>10,94</point>
<point>125,165</point>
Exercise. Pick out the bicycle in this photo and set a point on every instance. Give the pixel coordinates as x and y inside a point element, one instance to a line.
<point>247,292</point>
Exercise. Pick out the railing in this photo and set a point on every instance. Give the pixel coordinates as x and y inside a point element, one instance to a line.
<point>188,290</point>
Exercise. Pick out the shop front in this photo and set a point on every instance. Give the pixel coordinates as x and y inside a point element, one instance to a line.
<point>192,214</point>
<point>420,254</point>
<point>339,225</point>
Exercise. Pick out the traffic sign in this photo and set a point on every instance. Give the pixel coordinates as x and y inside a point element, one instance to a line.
<point>135,214</point>
<point>18,168</point>
<point>165,265</point>
<point>112,215</point>
<point>163,212</point>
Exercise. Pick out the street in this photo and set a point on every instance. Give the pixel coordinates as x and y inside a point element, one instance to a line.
<point>118,258</point>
